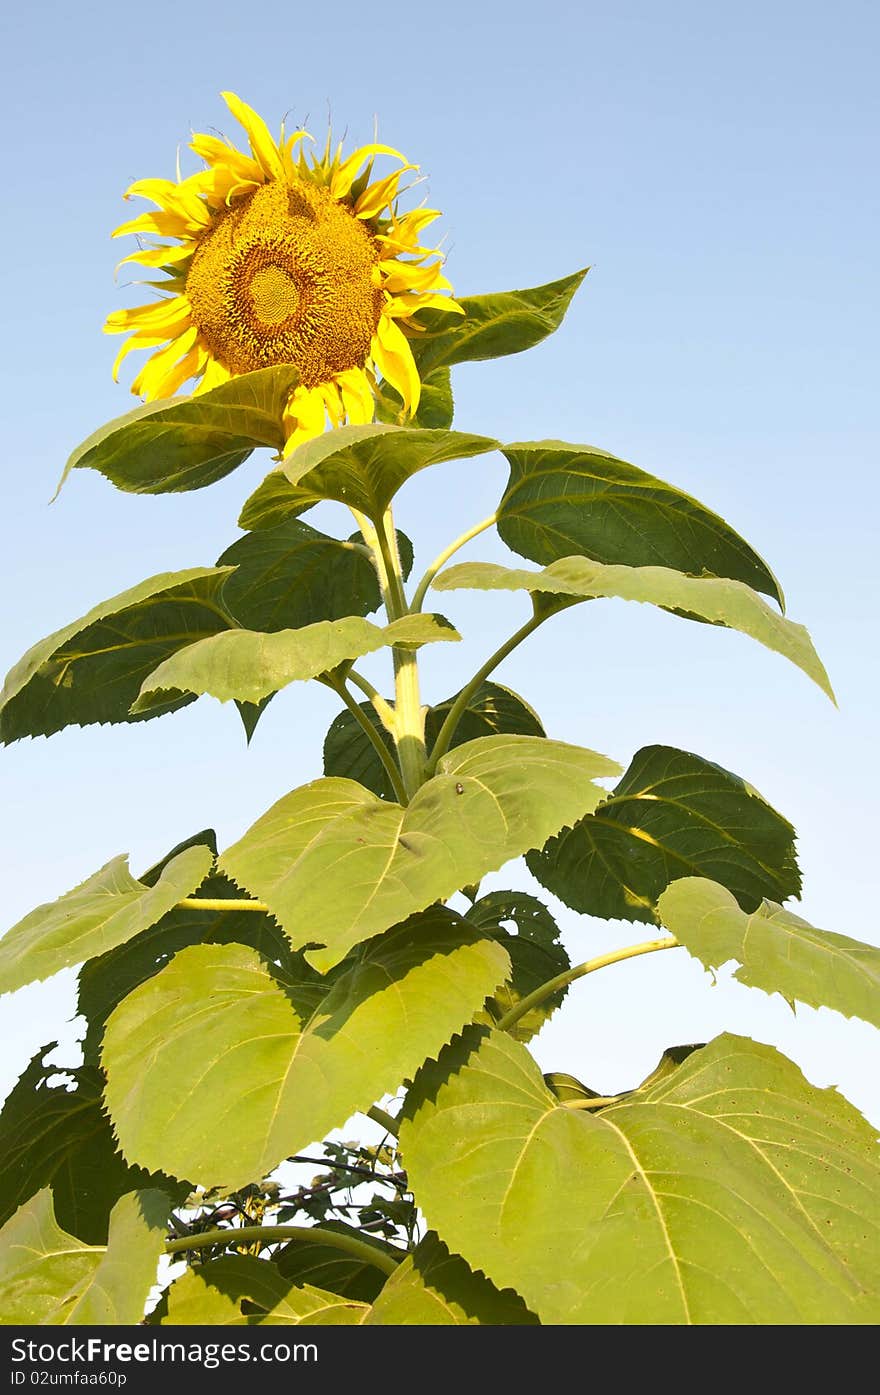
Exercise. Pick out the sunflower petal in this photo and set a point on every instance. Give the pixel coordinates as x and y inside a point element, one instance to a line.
<point>357,396</point>
<point>304,418</point>
<point>265,149</point>
<point>381,194</point>
<point>391,353</point>
<point>344,174</point>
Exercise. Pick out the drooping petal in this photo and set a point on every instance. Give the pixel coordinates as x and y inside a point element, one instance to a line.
<point>381,194</point>
<point>391,353</point>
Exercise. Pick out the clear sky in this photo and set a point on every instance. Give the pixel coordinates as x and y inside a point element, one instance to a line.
<point>716,166</point>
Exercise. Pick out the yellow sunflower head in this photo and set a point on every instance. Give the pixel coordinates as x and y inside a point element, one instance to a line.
<point>283,256</point>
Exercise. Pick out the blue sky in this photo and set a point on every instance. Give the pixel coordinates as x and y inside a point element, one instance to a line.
<point>716,166</point>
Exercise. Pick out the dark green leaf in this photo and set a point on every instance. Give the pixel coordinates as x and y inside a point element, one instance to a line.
<point>491,711</point>
<point>292,575</point>
<point>563,499</point>
<point>58,1136</point>
<point>91,670</point>
<point>504,322</point>
<point>776,951</point>
<point>186,443</point>
<point>672,815</point>
<point>436,406</point>
<point>433,1288</point>
<point>536,956</point>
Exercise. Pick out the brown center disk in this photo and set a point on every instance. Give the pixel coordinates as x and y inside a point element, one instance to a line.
<point>285,275</point>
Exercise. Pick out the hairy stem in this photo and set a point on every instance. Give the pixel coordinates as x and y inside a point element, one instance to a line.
<point>444,556</point>
<point>553,985</point>
<point>373,737</point>
<point>447,731</point>
<point>247,1234</point>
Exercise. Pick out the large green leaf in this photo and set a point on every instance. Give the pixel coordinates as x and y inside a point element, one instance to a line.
<point>262,1069</point>
<point>361,466</point>
<point>776,951</point>
<point>563,499</point>
<point>491,711</point>
<point>672,815</point>
<point>325,1266</point>
<point>730,1191</point>
<point>49,1278</point>
<point>183,443</point>
<point>720,601</point>
<point>433,1288</point>
<point>494,325</point>
<point>490,800</point>
<point>105,981</point>
<point>91,670</point>
<point>245,1292</point>
<point>536,955</point>
<point>105,910</point>
<point>292,575</point>
<point>248,666</point>
<point>58,1136</point>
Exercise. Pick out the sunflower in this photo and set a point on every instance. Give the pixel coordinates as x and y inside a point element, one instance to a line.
<point>283,256</point>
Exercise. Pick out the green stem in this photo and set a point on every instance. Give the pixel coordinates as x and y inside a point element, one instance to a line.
<point>409,719</point>
<point>553,985</point>
<point>373,737</point>
<point>387,1121</point>
<point>246,1234</point>
<point>444,557</point>
<point>207,903</point>
<point>596,1102</point>
<point>447,731</point>
<point>384,709</point>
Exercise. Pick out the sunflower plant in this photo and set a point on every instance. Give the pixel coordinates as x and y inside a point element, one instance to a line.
<point>341,957</point>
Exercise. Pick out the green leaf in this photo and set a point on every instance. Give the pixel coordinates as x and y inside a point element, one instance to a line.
<point>491,711</point>
<point>213,1294</point>
<point>776,951</point>
<point>91,670</point>
<point>273,1067</point>
<point>721,602</point>
<point>324,1266</point>
<point>504,322</point>
<point>730,1192</point>
<point>105,910</point>
<point>436,406</point>
<point>185,443</point>
<point>48,1277</point>
<point>535,953</point>
<point>563,499</point>
<point>433,1288</point>
<point>216,1293</point>
<point>292,575</point>
<point>365,466</point>
<point>105,981</point>
<point>490,800</point>
<point>249,666</point>
<point>672,815</point>
<point>52,1135</point>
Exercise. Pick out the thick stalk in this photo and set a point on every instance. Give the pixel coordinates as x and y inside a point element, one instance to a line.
<point>553,985</point>
<point>447,731</point>
<point>247,1234</point>
<point>409,719</point>
<point>444,556</point>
